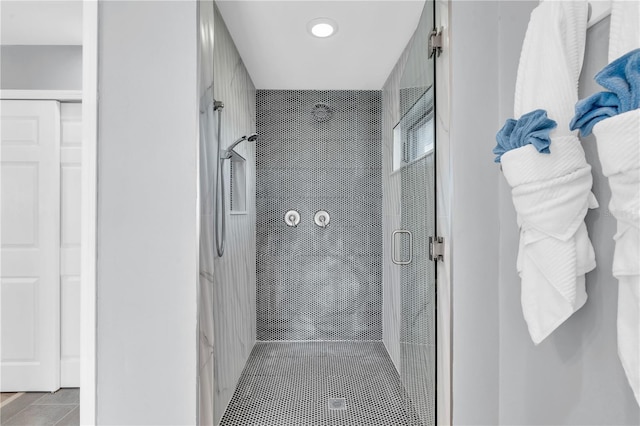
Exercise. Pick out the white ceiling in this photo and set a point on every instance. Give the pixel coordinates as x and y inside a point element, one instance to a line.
<point>271,36</point>
<point>41,22</point>
<point>279,53</point>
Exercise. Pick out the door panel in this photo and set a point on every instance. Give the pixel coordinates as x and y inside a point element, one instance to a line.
<point>23,338</point>
<point>30,244</point>
<point>70,171</point>
<point>415,143</point>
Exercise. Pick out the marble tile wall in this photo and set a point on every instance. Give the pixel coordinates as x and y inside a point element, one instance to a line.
<point>227,315</point>
<point>473,49</point>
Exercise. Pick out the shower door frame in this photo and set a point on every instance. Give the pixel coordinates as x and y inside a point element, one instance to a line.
<point>443,401</point>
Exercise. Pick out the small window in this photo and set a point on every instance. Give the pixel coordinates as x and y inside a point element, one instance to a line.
<point>419,138</point>
<point>414,135</point>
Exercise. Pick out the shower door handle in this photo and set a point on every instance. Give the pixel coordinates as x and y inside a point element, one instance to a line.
<point>393,247</point>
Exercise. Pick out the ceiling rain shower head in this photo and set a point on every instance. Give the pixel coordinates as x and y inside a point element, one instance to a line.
<point>322,112</point>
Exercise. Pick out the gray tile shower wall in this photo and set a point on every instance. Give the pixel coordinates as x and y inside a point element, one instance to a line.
<point>319,150</point>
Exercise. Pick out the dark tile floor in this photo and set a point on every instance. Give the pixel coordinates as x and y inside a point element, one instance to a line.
<point>61,408</point>
<point>320,384</point>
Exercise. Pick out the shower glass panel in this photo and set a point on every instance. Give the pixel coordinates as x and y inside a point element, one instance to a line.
<point>417,168</point>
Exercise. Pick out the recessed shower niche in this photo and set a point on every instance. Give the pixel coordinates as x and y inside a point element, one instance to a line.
<point>238,184</point>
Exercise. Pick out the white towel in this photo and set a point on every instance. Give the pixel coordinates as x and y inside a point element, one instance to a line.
<point>624,35</point>
<point>628,330</point>
<point>551,193</point>
<point>618,142</point>
<point>551,61</point>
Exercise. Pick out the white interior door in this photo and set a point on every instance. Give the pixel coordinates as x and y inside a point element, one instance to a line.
<point>30,241</point>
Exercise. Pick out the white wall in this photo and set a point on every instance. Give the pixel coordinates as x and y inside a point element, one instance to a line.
<point>147,229</point>
<point>41,67</point>
<point>473,245</point>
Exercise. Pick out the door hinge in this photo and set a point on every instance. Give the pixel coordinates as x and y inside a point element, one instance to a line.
<point>436,248</point>
<point>435,42</point>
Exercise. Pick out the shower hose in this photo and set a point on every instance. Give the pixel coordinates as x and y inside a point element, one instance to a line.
<point>219,220</point>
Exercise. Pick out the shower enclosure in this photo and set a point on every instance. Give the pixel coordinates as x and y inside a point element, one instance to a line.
<point>331,318</point>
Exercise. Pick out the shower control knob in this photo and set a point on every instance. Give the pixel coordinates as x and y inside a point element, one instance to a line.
<point>292,218</point>
<point>322,218</point>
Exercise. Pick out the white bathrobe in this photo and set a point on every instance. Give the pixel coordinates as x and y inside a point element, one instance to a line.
<point>618,142</point>
<point>619,150</point>
<point>552,192</point>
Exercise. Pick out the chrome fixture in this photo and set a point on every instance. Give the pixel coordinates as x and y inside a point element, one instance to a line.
<point>322,218</point>
<point>220,232</point>
<point>292,218</point>
<point>322,112</point>
<point>394,259</point>
<point>229,152</point>
<point>435,42</point>
<point>436,248</point>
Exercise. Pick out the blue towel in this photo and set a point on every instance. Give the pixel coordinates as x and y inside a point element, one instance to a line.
<point>532,128</point>
<point>593,109</point>
<point>622,78</point>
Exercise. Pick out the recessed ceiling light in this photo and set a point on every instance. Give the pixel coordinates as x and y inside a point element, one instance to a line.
<point>322,27</point>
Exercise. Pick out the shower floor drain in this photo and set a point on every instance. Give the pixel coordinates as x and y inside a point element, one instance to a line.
<point>337,403</point>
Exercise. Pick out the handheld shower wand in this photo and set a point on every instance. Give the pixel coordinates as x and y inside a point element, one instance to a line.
<point>220,189</point>
<point>225,154</point>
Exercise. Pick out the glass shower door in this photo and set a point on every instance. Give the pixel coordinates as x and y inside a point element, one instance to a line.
<point>414,140</point>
